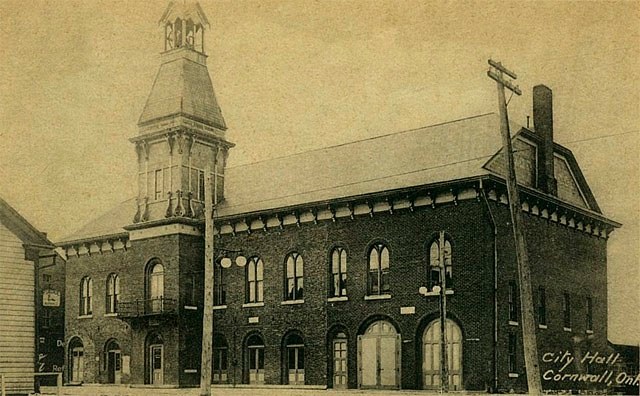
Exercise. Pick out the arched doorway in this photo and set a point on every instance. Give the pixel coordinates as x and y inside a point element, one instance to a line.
<point>294,363</point>
<point>220,360</point>
<point>255,360</point>
<point>155,287</point>
<point>113,362</point>
<point>431,348</point>
<point>76,361</point>
<point>339,366</point>
<point>154,353</point>
<point>379,356</point>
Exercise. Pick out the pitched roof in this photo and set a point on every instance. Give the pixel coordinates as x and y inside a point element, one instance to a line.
<point>183,87</point>
<point>18,225</point>
<point>437,153</point>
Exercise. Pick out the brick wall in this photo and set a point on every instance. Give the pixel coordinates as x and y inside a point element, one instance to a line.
<point>562,260</point>
<point>97,330</point>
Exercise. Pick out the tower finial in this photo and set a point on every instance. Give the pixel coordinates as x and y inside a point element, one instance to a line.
<point>184,24</point>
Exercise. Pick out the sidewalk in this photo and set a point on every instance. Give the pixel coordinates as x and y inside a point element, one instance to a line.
<point>116,390</point>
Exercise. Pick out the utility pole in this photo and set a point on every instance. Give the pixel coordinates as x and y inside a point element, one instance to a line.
<point>207,310</point>
<point>444,361</point>
<point>524,275</point>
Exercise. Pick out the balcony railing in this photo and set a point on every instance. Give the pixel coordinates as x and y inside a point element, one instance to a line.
<point>149,307</point>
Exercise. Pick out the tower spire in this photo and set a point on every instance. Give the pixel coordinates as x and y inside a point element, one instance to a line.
<point>181,128</point>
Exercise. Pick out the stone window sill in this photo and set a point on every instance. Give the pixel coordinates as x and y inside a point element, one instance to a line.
<point>191,307</point>
<point>378,297</point>
<point>111,315</point>
<point>589,331</point>
<point>513,323</point>
<point>541,326</point>
<point>567,329</point>
<point>218,307</point>
<point>252,305</point>
<point>436,294</point>
<point>513,375</point>
<point>85,316</point>
<point>292,302</point>
<point>336,299</point>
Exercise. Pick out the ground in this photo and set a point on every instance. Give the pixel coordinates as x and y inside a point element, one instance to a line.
<point>91,390</point>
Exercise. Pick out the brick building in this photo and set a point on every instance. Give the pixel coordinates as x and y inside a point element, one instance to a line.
<point>337,244</point>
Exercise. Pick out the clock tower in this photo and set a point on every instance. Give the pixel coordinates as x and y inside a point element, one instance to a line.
<point>181,129</point>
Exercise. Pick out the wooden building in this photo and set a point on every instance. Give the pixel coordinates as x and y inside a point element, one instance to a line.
<point>23,250</point>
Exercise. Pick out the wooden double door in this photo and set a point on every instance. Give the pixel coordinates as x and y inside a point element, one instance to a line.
<point>379,357</point>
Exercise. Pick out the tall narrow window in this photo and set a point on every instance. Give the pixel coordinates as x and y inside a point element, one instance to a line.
<point>201,185</point>
<point>542,307</point>
<point>86,296</point>
<point>338,273</point>
<point>589,314</point>
<point>158,184</point>
<point>219,285</point>
<point>379,270</point>
<point>513,368</point>
<point>113,293</point>
<point>194,289</point>
<point>513,302</point>
<point>294,283</point>
<point>434,264</point>
<point>155,287</point>
<point>46,317</point>
<point>254,280</point>
<point>566,310</point>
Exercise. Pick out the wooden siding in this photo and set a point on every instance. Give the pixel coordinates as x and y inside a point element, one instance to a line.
<point>17,316</point>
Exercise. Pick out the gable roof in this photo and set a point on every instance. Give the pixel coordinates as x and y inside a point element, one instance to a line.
<point>24,230</point>
<point>402,159</point>
<point>439,153</point>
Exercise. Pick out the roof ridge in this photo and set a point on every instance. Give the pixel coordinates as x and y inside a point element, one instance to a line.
<point>362,140</point>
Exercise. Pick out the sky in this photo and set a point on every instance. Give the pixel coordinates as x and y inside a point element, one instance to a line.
<point>291,76</point>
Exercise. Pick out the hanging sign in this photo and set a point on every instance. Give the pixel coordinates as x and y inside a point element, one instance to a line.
<point>51,298</point>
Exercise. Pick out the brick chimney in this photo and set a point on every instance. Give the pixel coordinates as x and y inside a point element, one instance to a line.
<point>543,126</point>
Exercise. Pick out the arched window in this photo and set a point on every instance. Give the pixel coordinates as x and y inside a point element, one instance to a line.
<point>168,37</point>
<point>113,293</point>
<point>379,270</point>
<point>86,296</point>
<point>220,360</point>
<point>254,280</point>
<point>219,285</point>
<point>177,27</point>
<point>155,287</point>
<point>294,286</point>
<point>338,273</point>
<point>189,34</point>
<point>295,360</point>
<point>434,264</point>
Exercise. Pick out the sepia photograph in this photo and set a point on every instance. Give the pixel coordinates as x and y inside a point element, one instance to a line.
<point>319,197</point>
